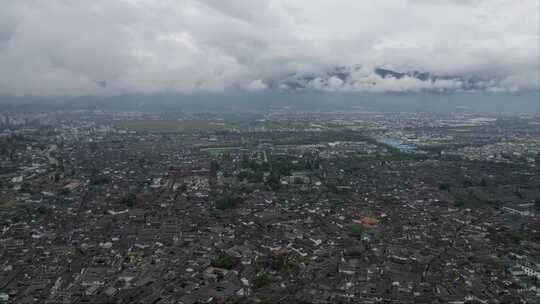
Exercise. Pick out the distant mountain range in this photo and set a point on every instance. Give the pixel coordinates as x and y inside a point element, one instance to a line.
<point>360,79</point>
<point>337,88</point>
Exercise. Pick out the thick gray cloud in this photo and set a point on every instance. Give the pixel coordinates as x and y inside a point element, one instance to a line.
<point>73,47</point>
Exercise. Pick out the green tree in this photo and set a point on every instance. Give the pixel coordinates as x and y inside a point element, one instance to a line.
<point>130,199</point>
<point>214,167</point>
<point>224,261</point>
<point>356,230</point>
<point>261,280</point>
<point>273,182</point>
<point>229,201</point>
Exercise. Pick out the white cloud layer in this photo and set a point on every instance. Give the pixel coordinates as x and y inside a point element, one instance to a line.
<point>75,47</point>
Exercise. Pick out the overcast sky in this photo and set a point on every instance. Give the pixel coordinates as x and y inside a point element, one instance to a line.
<point>76,47</point>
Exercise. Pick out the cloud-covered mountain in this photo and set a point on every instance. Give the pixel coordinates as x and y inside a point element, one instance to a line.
<point>360,79</point>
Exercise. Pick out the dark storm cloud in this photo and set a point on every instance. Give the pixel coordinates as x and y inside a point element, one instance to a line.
<point>57,47</point>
